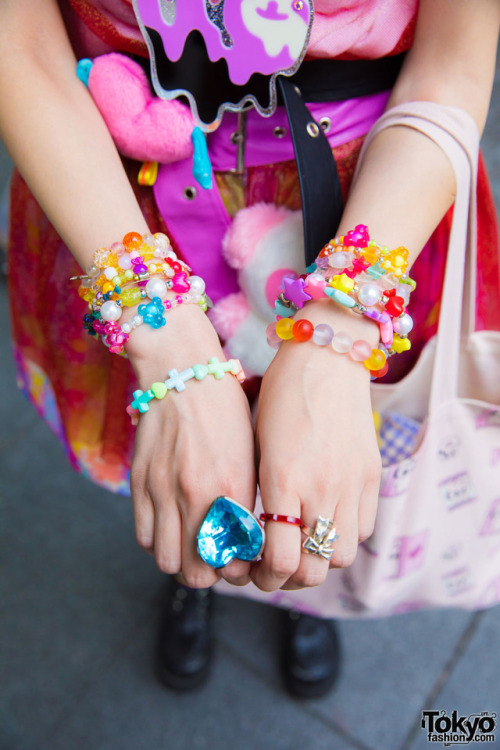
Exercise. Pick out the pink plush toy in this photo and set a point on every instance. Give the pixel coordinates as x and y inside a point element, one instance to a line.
<point>264,243</point>
<point>143,127</point>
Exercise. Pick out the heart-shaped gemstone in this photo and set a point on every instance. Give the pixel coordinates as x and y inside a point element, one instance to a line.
<point>395,306</point>
<point>159,390</point>
<point>180,282</point>
<point>229,531</point>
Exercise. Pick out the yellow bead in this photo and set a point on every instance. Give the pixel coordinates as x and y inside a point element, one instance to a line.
<point>375,361</point>
<point>130,297</point>
<point>371,254</point>
<point>129,274</point>
<point>116,280</point>
<point>284,328</point>
<point>343,283</point>
<point>107,287</point>
<point>400,344</point>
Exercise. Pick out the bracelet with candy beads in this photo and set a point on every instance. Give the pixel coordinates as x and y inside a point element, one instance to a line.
<point>177,380</point>
<point>285,329</point>
<point>363,276</point>
<point>148,267</point>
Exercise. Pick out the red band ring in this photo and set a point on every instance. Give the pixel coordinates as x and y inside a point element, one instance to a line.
<point>281,519</point>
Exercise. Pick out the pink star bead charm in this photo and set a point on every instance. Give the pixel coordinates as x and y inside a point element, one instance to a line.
<point>294,292</point>
<point>315,286</point>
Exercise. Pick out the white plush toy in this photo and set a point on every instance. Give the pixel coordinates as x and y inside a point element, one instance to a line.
<point>264,243</point>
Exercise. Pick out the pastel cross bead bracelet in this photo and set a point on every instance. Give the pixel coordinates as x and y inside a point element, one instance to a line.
<point>177,381</point>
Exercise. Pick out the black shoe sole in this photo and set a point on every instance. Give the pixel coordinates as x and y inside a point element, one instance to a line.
<point>183,682</point>
<point>305,690</point>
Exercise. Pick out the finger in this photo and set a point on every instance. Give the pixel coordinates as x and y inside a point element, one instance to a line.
<point>237,572</point>
<point>313,567</point>
<point>167,545</point>
<point>281,555</point>
<point>311,571</point>
<point>368,508</point>
<point>144,517</point>
<point>346,524</point>
<point>197,574</point>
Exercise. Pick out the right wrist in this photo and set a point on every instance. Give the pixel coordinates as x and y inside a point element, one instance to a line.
<point>187,337</point>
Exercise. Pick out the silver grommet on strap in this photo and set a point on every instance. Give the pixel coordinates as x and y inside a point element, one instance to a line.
<point>189,193</point>
<point>297,91</point>
<point>236,138</point>
<point>312,129</point>
<point>325,124</point>
<point>279,132</point>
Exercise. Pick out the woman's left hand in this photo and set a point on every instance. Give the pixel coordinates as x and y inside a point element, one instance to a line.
<point>318,455</point>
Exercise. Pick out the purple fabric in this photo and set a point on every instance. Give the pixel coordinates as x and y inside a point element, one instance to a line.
<point>201,239</point>
<point>197,225</point>
<point>350,119</point>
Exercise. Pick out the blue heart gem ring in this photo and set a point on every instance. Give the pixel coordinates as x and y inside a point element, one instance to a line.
<point>229,531</point>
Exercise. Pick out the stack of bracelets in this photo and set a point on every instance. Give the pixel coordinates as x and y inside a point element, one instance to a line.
<point>363,276</point>
<point>353,271</point>
<point>132,270</point>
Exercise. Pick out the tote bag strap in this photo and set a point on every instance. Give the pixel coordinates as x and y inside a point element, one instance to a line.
<point>456,133</point>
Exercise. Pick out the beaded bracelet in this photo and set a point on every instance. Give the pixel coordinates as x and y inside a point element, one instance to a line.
<point>359,274</point>
<point>375,360</point>
<point>115,336</point>
<point>148,267</point>
<point>177,380</point>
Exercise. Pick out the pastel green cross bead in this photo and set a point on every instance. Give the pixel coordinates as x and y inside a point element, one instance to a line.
<point>200,371</point>
<point>216,368</point>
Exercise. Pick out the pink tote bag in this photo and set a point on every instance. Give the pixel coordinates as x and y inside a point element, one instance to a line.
<point>436,541</point>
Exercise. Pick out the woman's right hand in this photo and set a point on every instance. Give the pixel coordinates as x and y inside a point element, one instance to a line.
<point>190,448</point>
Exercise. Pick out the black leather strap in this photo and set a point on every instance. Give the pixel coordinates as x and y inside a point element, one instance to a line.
<point>317,81</point>
<point>319,180</point>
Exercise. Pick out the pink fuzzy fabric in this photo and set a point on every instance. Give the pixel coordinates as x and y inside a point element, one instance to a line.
<point>228,314</point>
<point>248,227</point>
<point>143,127</point>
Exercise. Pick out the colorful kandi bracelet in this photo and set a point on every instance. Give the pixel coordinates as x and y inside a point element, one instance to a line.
<point>177,381</point>
<point>285,329</point>
<point>127,273</point>
<point>363,276</point>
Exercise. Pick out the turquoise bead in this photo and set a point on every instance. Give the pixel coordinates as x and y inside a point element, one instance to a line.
<point>283,311</point>
<point>376,270</point>
<point>341,297</point>
<point>202,168</point>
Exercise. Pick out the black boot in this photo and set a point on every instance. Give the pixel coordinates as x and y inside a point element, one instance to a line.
<point>311,655</point>
<point>185,646</point>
